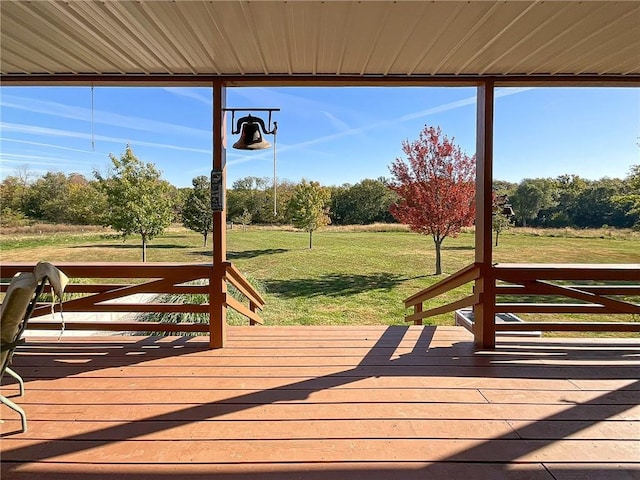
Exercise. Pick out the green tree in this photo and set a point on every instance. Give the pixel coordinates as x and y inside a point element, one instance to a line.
<point>251,194</point>
<point>87,202</point>
<point>340,203</point>
<point>48,198</point>
<point>11,194</point>
<point>235,203</point>
<point>531,196</point>
<point>569,189</point>
<point>255,195</point>
<point>55,198</point>
<point>139,201</point>
<point>596,205</point>
<point>369,202</point>
<point>284,195</point>
<point>21,181</point>
<point>244,219</point>
<point>500,216</point>
<point>308,207</point>
<point>178,198</point>
<point>629,200</point>
<point>196,213</point>
<point>503,187</point>
<point>12,218</point>
<point>500,223</point>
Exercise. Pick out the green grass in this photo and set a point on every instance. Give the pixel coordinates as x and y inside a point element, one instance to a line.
<point>38,240</point>
<point>347,278</point>
<point>350,276</point>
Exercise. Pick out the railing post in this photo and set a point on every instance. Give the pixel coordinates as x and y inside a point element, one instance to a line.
<point>417,308</point>
<point>217,282</point>
<point>484,329</point>
<point>254,308</point>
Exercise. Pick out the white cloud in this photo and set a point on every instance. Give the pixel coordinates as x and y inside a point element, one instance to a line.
<point>411,116</point>
<point>53,132</point>
<point>192,93</point>
<point>336,122</point>
<point>15,158</point>
<point>40,144</point>
<point>99,116</point>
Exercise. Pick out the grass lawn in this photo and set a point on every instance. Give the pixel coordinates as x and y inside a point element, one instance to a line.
<point>351,276</point>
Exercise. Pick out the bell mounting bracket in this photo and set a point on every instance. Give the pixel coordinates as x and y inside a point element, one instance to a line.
<point>251,119</point>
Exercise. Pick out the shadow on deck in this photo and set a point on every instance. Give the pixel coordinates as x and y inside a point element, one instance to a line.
<point>327,403</point>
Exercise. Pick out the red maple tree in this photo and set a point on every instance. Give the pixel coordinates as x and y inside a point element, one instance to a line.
<point>435,185</point>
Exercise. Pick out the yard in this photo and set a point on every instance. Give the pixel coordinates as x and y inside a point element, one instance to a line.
<point>358,275</point>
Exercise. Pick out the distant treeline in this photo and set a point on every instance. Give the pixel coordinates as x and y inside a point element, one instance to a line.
<point>572,201</point>
<point>565,201</point>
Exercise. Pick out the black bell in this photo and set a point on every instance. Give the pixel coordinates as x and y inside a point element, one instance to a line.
<point>251,138</point>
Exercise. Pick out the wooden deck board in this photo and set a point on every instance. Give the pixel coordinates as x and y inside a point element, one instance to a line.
<point>304,410</point>
<point>137,451</point>
<point>297,471</point>
<point>325,403</point>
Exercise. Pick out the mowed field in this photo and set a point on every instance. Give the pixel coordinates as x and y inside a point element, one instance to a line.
<point>351,276</point>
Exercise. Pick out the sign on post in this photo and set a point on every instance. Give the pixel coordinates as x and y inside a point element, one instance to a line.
<point>217,192</point>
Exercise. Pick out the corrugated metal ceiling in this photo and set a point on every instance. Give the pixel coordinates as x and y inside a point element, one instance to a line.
<point>378,38</point>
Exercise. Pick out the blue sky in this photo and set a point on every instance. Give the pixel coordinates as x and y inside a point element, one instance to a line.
<point>331,135</point>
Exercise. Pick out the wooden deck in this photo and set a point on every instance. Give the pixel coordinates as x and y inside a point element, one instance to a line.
<point>325,403</point>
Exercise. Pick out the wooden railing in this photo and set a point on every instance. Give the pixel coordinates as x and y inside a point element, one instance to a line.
<point>233,276</point>
<point>461,277</point>
<point>594,289</point>
<point>600,289</point>
<point>127,279</point>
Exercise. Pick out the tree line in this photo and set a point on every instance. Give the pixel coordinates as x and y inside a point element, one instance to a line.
<point>565,201</point>
<point>431,190</point>
<point>74,199</point>
<point>572,201</point>
<point>363,203</point>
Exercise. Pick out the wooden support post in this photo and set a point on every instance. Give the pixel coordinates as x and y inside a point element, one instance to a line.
<point>254,308</point>
<point>217,283</point>
<point>417,308</point>
<point>484,312</point>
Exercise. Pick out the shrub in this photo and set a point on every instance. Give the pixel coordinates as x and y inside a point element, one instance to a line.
<point>233,317</point>
<point>12,218</point>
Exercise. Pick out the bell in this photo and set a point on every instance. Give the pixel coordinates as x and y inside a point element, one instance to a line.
<point>251,138</point>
